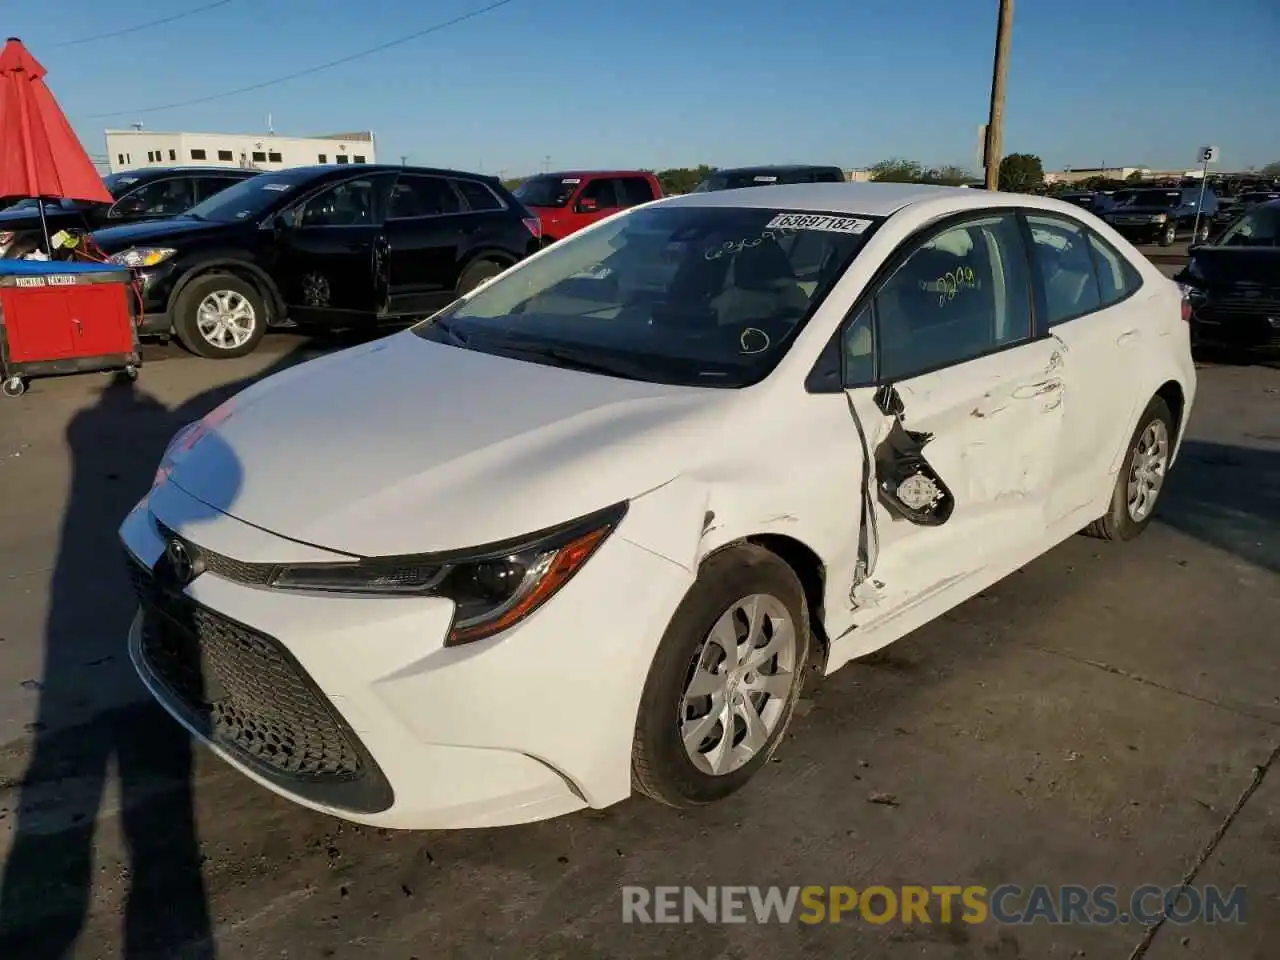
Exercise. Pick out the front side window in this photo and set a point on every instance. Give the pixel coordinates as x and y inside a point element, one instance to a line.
<point>160,198</point>
<point>1064,262</point>
<point>709,296</point>
<point>349,204</point>
<point>599,192</point>
<point>1259,227</point>
<point>963,293</point>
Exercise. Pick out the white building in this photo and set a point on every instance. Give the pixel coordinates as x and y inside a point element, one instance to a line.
<point>138,149</point>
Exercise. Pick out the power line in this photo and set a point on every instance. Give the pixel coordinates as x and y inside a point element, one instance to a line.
<point>144,26</point>
<point>435,28</point>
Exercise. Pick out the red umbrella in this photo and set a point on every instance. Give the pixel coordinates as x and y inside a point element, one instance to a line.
<point>40,155</point>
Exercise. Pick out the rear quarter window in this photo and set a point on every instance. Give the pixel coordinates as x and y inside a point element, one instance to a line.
<point>478,197</point>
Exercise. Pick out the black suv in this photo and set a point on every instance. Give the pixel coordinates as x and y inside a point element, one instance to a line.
<point>769,176</point>
<point>1162,214</point>
<point>151,194</point>
<point>324,246</point>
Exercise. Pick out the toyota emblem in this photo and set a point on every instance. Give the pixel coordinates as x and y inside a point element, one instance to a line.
<point>181,563</point>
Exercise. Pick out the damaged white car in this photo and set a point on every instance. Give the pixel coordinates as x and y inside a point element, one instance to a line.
<point>582,532</point>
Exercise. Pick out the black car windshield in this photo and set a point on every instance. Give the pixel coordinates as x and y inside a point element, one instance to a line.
<point>1258,197</point>
<point>697,295</point>
<point>1153,198</point>
<point>250,199</point>
<point>546,191</point>
<point>1259,227</point>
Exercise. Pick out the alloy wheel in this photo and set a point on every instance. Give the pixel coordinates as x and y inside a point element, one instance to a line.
<point>1148,470</point>
<point>226,319</point>
<point>738,683</point>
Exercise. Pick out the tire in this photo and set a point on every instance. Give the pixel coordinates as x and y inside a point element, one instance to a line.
<point>1120,522</point>
<point>13,387</point>
<point>1169,235</point>
<point>199,300</point>
<point>1202,235</point>
<point>661,767</point>
<point>476,273</point>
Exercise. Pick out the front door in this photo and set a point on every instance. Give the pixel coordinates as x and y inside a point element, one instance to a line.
<point>958,406</point>
<point>427,224</point>
<point>327,251</point>
<point>597,199</point>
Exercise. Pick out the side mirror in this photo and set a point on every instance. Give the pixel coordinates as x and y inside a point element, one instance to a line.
<point>588,205</point>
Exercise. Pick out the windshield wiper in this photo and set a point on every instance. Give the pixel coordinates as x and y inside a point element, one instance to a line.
<point>572,359</point>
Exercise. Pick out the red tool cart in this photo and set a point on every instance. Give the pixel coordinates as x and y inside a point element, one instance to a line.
<point>59,317</point>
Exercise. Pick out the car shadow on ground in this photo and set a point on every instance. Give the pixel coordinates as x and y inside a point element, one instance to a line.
<point>115,445</point>
<point>1227,496</point>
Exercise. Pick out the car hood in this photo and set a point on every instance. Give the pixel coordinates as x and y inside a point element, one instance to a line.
<point>1219,266</point>
<point>148,232</point>
<point>410,446</point>
<point>1125,211</point>
<point>16,220</point>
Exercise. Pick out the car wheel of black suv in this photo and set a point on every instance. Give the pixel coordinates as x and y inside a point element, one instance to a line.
<point>220,316</point>
<point>477,273</point>
<point>1169,235</point>
<point>1202,235</point>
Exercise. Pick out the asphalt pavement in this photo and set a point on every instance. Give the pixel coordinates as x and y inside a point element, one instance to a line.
<point>1108,715</point>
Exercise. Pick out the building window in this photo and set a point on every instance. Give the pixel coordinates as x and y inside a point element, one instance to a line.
<point>173,154</point>
<point>151,156</point>
<point>358,158</point>
<point>324,158</point>
<point>226,155</point>
<point>197,154</point>
<point>259,157</point>
<point>342,158</point>
<point>275,158</point>
<point>128,158</point>
<point>120,158</point>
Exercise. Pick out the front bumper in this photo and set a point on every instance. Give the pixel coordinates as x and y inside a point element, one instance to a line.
<point>1140,232</point>
<point>1236,323</point>
<point>531,724</point>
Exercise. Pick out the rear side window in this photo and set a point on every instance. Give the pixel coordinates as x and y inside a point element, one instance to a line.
<point>416,196</point>
<point>828,176</point>
<point>1117,277</point>
<point>635,190</point>
<point>1064,263</point>
<point>478,196</point>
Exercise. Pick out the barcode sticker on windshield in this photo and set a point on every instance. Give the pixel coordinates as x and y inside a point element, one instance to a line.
<point>278,187</point>
<point>809,221</point>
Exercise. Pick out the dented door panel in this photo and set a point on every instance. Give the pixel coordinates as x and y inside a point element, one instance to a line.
<point>970,450</point>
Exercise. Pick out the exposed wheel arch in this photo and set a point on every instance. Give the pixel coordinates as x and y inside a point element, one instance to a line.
<point>1171,393</point>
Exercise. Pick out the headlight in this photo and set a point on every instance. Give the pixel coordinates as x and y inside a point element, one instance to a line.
<point>1160,217</point>
<point>6,237</point>
<point>492,587</point>
<point>141,256</point>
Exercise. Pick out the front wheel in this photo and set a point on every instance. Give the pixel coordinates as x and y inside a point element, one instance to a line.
<point>220,316</point>
<point>477,273</point>
<point>1141,477</point>
<point>1202,234</point>
<point>725,680</point>
<point>1169,235</point>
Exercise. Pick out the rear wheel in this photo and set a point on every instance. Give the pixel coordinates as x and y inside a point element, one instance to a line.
<point>477,273</point>
<point>725,680</point>
<point>1141,478</point>
<point>220,316</point>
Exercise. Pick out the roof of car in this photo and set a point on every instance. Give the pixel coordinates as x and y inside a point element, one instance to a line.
<point>560,174</point>
<point>867,199</point>
<point>164,171</point>
<point>779,167</point>
<point>354,169</point>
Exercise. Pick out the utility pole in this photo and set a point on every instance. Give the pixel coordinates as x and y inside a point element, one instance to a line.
<point>995,123</point>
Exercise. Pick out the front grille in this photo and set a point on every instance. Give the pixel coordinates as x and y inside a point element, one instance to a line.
<point>237,571</point>
<point>243,691</point>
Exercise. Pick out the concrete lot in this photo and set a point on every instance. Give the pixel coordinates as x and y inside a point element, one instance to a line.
<point>1106,715</point>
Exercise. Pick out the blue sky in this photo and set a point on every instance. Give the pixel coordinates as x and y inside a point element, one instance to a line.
<point>666,83</point>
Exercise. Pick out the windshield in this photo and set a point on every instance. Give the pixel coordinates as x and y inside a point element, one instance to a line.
<point>1258,197</point>
<point>706,296</point>
<point>736,179</point>
<point>1153,198</point>
<point>250,199</point>
<point>1260,227</point>
<point>546,191</point>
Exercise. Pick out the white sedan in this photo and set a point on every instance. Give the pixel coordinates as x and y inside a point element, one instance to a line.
<point>584,531</point>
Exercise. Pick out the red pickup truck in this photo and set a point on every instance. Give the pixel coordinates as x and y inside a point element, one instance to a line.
<point>570,200</point>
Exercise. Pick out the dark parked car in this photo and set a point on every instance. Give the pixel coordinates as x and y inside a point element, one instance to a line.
<point>1162,214</point>
<point>139,195</point>
<point>769,176</point>
<point>1233,285</point>
<point>327,246</point>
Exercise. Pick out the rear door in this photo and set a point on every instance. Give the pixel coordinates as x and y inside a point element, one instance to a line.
<point>1086,299</point>
<point>325,253</point>
<point>959,407</point>
<point>427,226</point>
